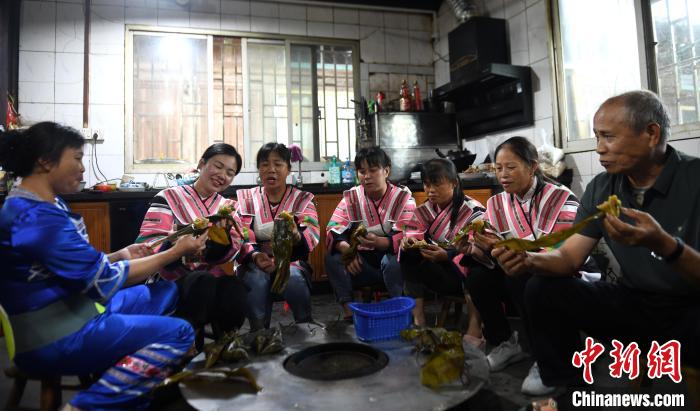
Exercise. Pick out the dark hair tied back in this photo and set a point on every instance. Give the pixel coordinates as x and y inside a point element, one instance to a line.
<point>438,170</point>
<point>20,150</point>
<point>225,149</point>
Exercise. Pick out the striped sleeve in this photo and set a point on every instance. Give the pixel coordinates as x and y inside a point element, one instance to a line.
<point>399,227</point>
<point>307,220</point>
<point>567,214</point>
<point>158,221</point>
<point>336,229</point>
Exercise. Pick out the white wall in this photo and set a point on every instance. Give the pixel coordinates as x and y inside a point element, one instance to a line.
<point>528,33</point>
<point>526,24</point>
<point>51,54</point>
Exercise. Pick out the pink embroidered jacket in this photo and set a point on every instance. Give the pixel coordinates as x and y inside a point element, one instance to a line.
<point>429,222</point>
<point>546,209</point>
<point>383,218</point>
<point>255,216</point>
<point>181,205</point>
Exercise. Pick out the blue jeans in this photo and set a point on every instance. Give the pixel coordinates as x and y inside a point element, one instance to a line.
<point>260,299</point>
<point>389,272</point>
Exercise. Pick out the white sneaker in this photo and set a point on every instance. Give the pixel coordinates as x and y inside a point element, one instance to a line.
<point>507,352</point>
<point>533,385</point>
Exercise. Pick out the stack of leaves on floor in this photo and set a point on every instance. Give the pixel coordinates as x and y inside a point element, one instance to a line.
<point>445,355</point>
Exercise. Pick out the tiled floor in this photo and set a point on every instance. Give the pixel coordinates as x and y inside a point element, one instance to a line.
<point>503,392</point>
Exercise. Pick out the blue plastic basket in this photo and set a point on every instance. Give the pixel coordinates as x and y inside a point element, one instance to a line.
<point>383,320</point>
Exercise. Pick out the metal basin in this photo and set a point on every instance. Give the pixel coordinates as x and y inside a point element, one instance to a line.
<point>336,361</point>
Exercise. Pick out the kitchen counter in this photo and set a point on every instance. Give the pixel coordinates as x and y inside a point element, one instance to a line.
<point>478,181</point>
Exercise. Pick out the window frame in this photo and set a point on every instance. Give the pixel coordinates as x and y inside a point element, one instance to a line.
<point>288,40</point>
<point>646,46</point>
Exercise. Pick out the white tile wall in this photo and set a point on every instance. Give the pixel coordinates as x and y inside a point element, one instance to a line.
<point>70,28</point>
<point>69,114</point>
<point>235,22</point>
<point>208,21</point>
<point>69,78</point>
<point>264,24</point>
<point>295,27</point>
<point>37,26</point>
<point>292,11</point>
<point>263,9</point>
<point>107,30</point>
<point>517,33</point>
<point>537,31</point>
<point>239,7</point>
<point>346,16</point>
<point>393,45</point>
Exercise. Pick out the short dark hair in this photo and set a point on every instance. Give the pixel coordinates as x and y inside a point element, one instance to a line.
<point>21,149</point>
<point>278,148</point>
<point>644,107</point>
<point>374,156</point>
<point>225,149</point>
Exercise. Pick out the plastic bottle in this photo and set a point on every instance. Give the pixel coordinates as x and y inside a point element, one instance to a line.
<point>334,172</point>
<point>348,173</point>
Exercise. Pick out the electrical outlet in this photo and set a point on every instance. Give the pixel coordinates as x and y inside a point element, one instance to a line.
<point>92,135</point>
<point>87,133</point>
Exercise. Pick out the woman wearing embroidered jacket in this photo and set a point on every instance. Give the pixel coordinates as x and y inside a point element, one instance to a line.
<point>52,277</point>
<point>438,220</point>
<point>529,207</point>
<point>380,206</point>
<point>207,295</point>
<point>256,211</point>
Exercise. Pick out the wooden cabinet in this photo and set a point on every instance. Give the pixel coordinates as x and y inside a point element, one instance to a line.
<point>96,216</point>
<point>325,205</point>
<point>479,194</point>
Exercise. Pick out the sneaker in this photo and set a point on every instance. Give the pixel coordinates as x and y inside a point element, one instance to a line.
<point>507,352</point>
<point>533,385</point>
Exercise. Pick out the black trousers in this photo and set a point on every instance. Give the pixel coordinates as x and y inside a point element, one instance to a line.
<point>419,273</point>
<point>559,308</point>
<point>489,290</point>
<point>207,299</point>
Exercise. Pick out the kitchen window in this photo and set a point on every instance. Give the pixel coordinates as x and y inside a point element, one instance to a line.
<point>187,91</point>
<point>607,47</point>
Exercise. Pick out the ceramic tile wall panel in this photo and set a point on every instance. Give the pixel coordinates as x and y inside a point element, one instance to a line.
<point>264,9</point>
<point>295,27</point>
<point>37,30</point>
<point>69,77</point>
<point>542,86</point>
<point>346,16</point>
<point>319,29</point>
<point>141,15</point>
<point>346,31</point>
<point>316,13</point>
<point>537,31</point>
<point>107,30</point>
<point>70,28</point>
<point>173,18</point>
<point>206,6</point>
<point>239,7</point>
<point>292,11</point>
<point>69,114</point>
<point>235,22</point>
<point>109,118</point>
<point>207,21</point>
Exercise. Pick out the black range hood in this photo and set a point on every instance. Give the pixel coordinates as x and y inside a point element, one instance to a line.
<point>488,93</point>
<point>490,98</point>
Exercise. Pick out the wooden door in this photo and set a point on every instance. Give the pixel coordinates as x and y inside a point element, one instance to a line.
<point>96,216</point>
<point>325,205</point>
